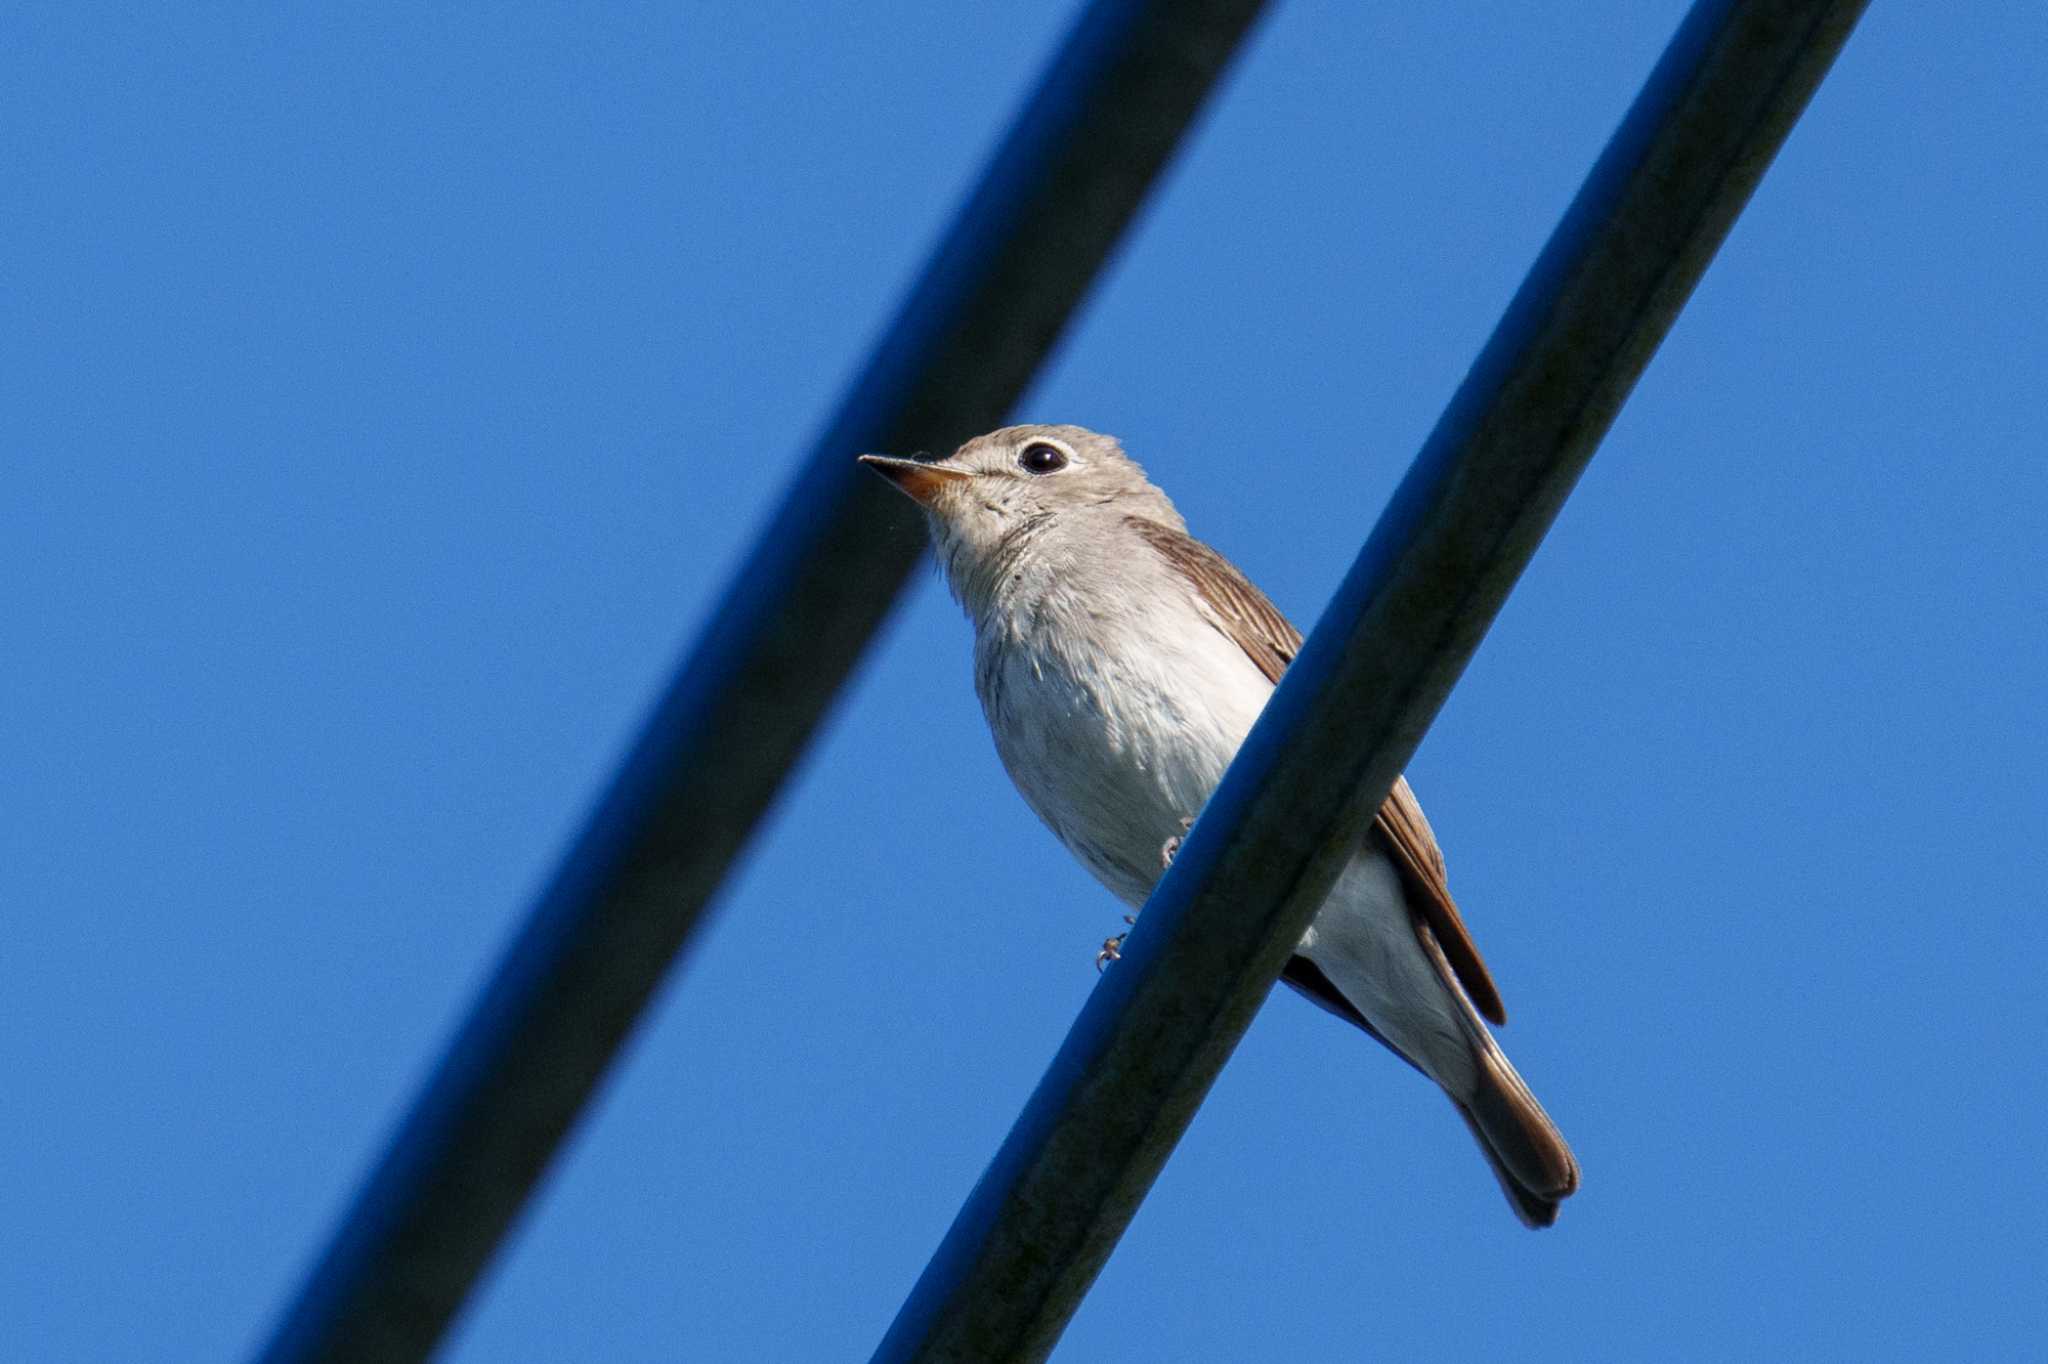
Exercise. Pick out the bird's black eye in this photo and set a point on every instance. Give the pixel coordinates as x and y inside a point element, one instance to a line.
<point>1041,458</point>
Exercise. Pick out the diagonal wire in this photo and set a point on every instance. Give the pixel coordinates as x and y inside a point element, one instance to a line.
<point>1044,1217</point>
<point>1126,84</point>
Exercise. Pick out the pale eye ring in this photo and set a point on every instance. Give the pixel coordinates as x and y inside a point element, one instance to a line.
<point>1041,457</point>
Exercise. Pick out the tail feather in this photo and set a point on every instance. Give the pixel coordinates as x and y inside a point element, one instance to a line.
<point>1535,1167</point>
<point>1533,1209</point>
<point>1529,1156</point>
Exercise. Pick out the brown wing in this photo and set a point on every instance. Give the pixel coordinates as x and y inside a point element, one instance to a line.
<point>1254,624</point>
<point>1415,848</point>
<point>1241,611</point>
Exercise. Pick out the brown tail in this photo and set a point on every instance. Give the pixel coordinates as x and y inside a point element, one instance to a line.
<point>1528,1154</point>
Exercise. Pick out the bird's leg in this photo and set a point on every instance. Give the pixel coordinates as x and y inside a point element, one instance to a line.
<point>1171,847</point>
<point>1112,948</point>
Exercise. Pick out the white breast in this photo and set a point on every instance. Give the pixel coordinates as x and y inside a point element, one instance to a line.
<point>1116,730</point>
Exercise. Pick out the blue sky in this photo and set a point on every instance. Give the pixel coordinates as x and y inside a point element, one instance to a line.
<point>387,393</point>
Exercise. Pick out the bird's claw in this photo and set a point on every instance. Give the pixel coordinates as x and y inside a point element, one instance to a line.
<point>1171,847</point>
<point>1112,948</point>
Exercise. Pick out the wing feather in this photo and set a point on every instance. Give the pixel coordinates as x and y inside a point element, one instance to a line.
<point>1250,620</point>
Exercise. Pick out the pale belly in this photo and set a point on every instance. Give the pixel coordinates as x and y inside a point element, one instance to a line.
<point>1114,750</point>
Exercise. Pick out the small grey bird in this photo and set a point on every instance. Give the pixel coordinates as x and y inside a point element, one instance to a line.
<point>1120,663</point>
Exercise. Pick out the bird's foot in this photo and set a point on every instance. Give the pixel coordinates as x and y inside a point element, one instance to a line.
<point>1171,847</point>
<point>1112,948</point>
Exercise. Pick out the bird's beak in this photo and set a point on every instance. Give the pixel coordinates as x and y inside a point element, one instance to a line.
<point>918,480</point>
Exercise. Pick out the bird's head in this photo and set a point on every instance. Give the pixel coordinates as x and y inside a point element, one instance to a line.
<point>1002,502</point>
